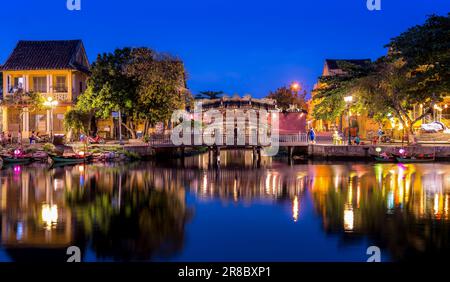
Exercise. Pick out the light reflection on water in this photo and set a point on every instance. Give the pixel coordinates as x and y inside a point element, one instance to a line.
<point>167,212</point>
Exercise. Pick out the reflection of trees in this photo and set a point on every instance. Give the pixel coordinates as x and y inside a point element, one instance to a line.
<point>134,224</point>
<point>393,208</point>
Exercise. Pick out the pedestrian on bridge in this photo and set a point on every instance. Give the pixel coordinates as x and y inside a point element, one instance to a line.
<point>312,136</point>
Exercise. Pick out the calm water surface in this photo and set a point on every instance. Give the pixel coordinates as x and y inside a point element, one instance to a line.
<point>192,212</point>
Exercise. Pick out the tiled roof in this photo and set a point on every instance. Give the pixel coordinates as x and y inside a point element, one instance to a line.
<point>334,64</point>
<point>39,55</point>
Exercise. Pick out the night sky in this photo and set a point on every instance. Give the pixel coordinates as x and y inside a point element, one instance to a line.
<point>245,46</point>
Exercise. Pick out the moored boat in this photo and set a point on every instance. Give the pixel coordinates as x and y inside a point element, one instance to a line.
<point>16,160</point>
<point>414,160</point>
<point>70,159</point>
<point>384,160</point>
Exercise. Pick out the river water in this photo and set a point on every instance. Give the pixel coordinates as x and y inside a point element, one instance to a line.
<point>168,211</point>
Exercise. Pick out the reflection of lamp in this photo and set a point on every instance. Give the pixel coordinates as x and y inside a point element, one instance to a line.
<point>295,208</point>
<point>81,153</point>
<point>49,215</point>
<point>348,218</point>
<point>348,100</point>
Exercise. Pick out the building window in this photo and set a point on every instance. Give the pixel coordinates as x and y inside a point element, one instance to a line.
<point>40,84</point>
<point>18,83</point>
<point>61,85</point>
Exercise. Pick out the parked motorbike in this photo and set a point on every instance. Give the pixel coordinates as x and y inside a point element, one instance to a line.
<point>95,140</point>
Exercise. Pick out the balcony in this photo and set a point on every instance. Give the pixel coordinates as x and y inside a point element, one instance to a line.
<point>59,96</point>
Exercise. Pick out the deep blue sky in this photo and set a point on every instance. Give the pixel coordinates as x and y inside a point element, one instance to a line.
<point>238,46</point>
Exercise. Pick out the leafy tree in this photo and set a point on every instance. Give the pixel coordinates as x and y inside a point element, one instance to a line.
<point>209,95</point>
<point>328,98</point>
<point>385,91</point>
<point>425,49</point>
<point>285,97</point>
<point>161,85</point>
<point>77,121</point>
<point>415,71</point>
<point>144,85</point>
<point>111,89</point>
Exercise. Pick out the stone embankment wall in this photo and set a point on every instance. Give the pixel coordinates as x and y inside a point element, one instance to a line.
<point>363,152</point>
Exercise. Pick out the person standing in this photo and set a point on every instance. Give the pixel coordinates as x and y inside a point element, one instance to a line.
<point>380,134</point>
<point>312,136</point>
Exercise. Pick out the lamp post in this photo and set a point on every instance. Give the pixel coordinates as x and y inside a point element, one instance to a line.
<point>348,100</point>
<point>120,128</point>
<point>50,103</point>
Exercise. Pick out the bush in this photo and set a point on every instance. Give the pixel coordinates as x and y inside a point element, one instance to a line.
<point>49,147</point>
<point>132,155</point>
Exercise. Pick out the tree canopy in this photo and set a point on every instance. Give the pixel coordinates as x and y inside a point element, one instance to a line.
<point>328,97</point>
<point>144,85</point>
<point>416,71</point>
<point>285,97</point>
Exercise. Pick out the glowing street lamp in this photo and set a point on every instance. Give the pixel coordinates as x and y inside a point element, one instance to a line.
<point>348,100</point>
<point>295,86</point>
<point>50,103</point>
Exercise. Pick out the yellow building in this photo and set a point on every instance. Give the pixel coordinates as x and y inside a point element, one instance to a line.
<point>57,70</point>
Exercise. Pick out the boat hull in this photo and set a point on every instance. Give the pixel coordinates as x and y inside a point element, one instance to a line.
<point>384,160</point>
<point>16,161</point>
<point>68,160</point>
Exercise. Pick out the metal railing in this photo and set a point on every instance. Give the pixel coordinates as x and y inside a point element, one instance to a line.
<point>249,140</point>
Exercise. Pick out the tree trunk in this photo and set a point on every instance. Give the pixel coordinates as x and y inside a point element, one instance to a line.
<point>131,129</point>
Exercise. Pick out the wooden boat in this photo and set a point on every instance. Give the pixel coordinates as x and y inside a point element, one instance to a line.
<point>384,160</point>
<point>16,160</point>
<point>76,159</point>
